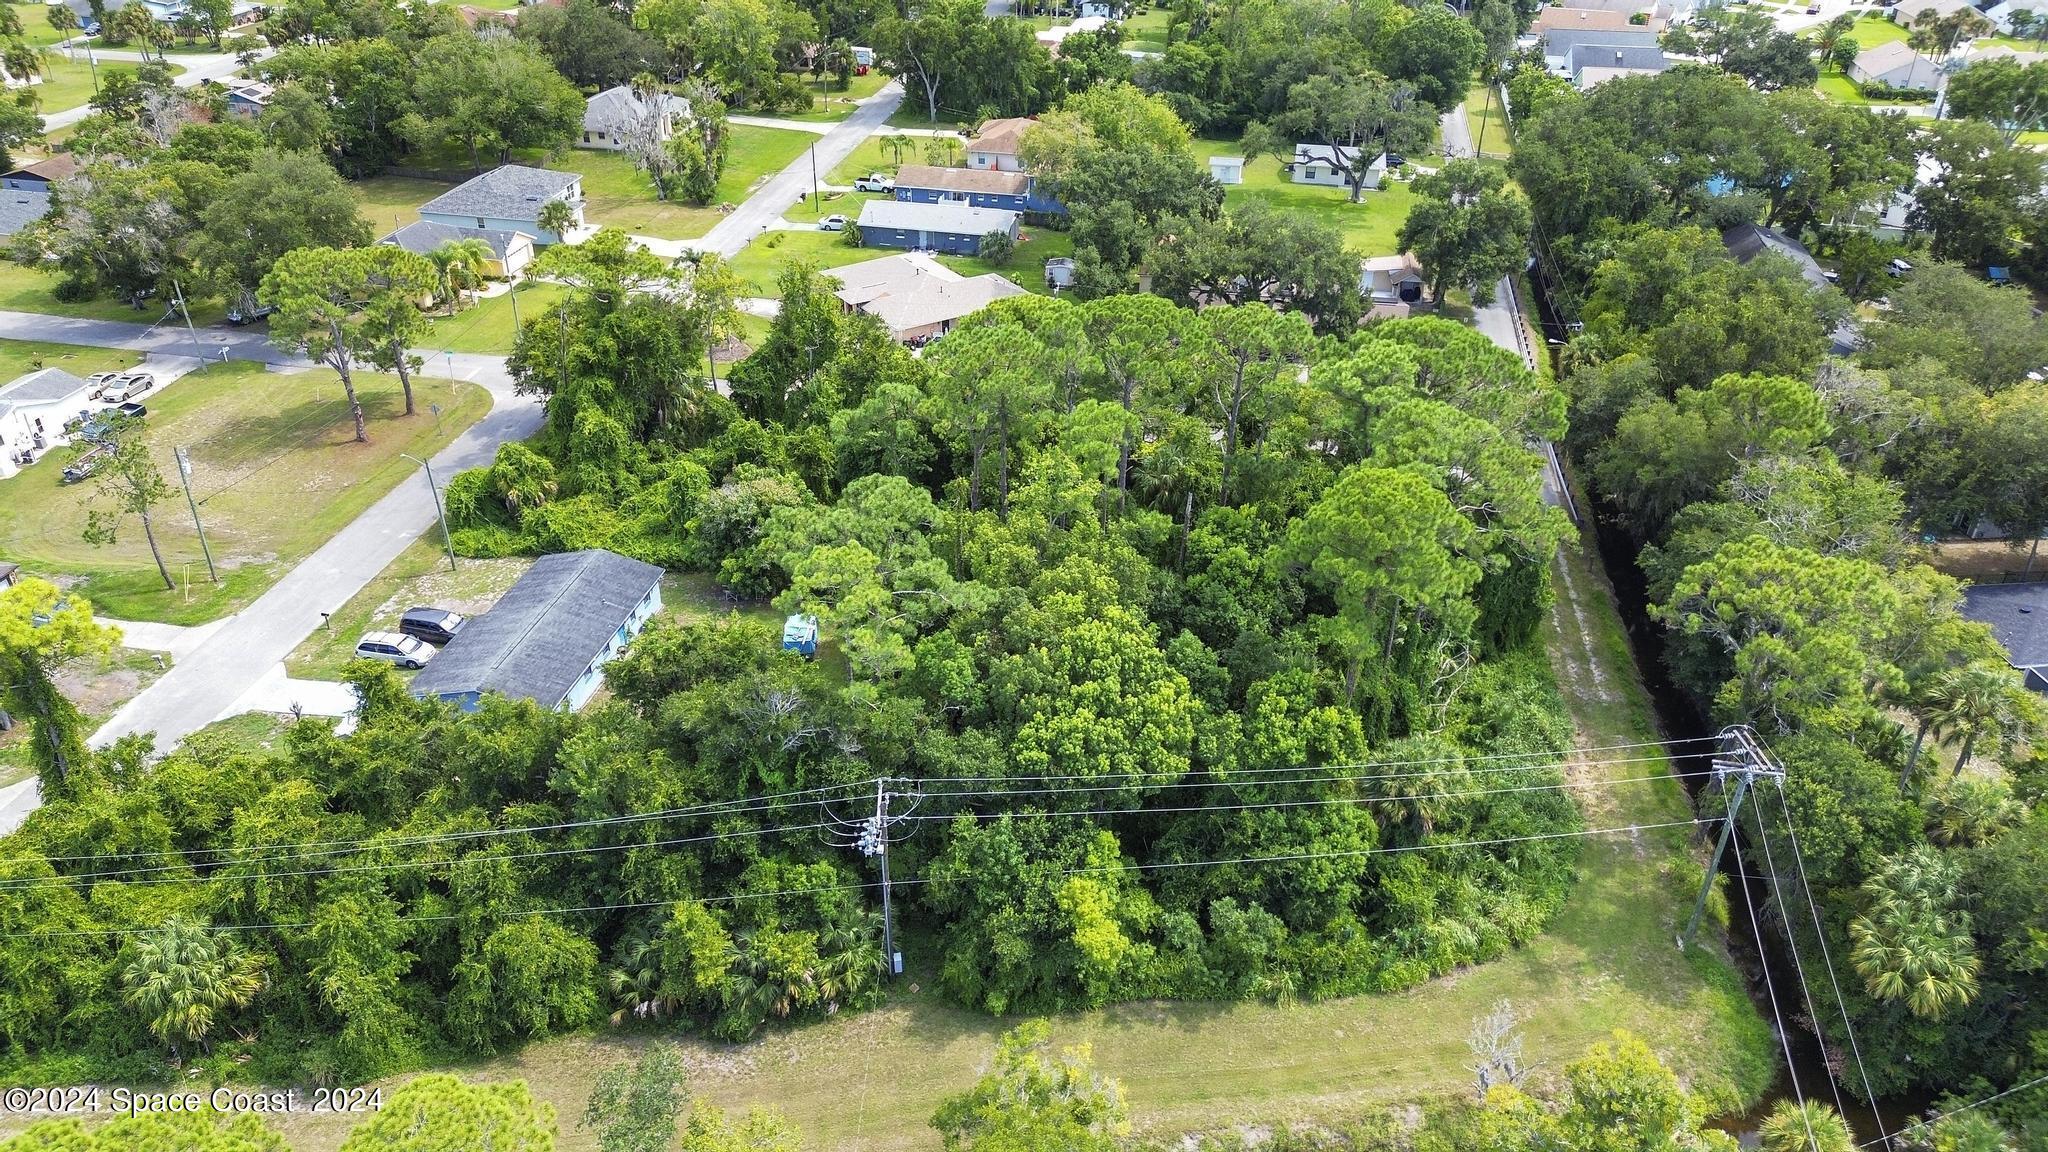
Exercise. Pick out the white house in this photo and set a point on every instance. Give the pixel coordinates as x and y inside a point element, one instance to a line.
<point>1331,166</point>
<point>610,117</point>
<point>998,143</point>
<point>2001,13</point>
<point>1895,65</point>
<point>33,409</point>
<point>1907,11</point>
<point>1391,281</point>
<point>1226,169</point>
<point>508,199</point>
<point>511,252</point>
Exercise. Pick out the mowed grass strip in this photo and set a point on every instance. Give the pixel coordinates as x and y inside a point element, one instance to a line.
<point>24,289</point>
<point>868,1082</point>
<point>274,467</point>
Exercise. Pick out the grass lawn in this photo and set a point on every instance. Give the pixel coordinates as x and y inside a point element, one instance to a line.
<point>1487,122</point>
<point>1027,267</point>
<point>2013,42</point>
<point>888,153</point>
<point>419,577</point>
<point>1368,226</point>
<point>829,104</point>
<point>487,326</point>
<point>274,467</point>
<point>1871,31</point>
<point>1146,32</point>
<point>199,47</point>
<point>18,357</point>
<point>621,196</point>
<point>1839,88</point>
<point>912,112</point>
<point>1606,963</point>
<point>33,290</point>
<point>389,203</point>
<point>762,260</point>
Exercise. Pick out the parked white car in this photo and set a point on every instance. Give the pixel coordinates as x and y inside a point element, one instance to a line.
<point>833,223</point>
<point>125,388</point>
<point>394,647</point>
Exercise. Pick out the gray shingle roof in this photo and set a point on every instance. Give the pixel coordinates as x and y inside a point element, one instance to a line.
<point>1636,57</point>
<point>1565,41</point>
<point>513,192</point>
<point>21,207</point>
<point>536,642</point>
<point>423,236</point>
<point>40,387</point>
<point>1746,242</point>
<point>616,109</point>
<point>954,219</point>
<point>2018,616</point>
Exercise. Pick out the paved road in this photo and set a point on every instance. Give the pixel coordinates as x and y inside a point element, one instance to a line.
<point>245,648</point>
<point>761,210</point>
<point>197,70</point>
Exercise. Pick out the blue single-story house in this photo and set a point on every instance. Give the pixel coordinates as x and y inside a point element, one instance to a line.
<point>950,227</point>
<point>549,637</point>
<point>974,187</point>
<point>38,175</point>
<point>248,98</point>
<point>508,199</point>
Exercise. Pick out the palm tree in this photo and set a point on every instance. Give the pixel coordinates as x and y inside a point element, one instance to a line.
<point>131,22</point>
<point>557,216</point>
<point>1909,943</point>
<point>1966,813</point>
<point>460,264</point>
<point>65,21</point>
<point>181,977</point>
<point>1807,1125</point>
<point>21,61</point>
<point>188,26</point>
<point>1977,700</point>
<point>636,983</point>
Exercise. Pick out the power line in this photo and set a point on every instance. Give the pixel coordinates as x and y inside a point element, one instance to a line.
<point>1828,962</point>
<point>1792,944</point>
<point>31,883</point>
<point>1940,1116</point>
<point>1771,993</point>
<point>1631,829</point>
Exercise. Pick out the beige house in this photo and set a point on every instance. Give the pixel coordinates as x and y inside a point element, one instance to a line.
<point>915,296</point>
<point>998,143</point>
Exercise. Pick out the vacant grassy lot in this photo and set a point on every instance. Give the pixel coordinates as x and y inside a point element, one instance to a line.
<point>275,470</point>
<point>487,326</point>
<point>761,261</point>
<point>33,290</point>
<point>1487,122</point>
<point>868,1082</point>
<point>1146,31</point>
<point>828,104</point>
<point>621,196</point>
<point>22,356</point>
<point>886,154</point>
<point>389,203</point>
<point>419,577</point>
<point>1368,226</point>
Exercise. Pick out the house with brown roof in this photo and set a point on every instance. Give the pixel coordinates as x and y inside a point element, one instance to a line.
<point>38,175</point>
<point>998,143</point>
<point>974,187</point>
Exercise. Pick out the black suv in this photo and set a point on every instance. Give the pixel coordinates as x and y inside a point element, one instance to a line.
<point>436,626</point>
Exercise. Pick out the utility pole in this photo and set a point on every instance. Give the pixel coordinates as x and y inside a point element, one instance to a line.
<point>1742,763</point>
<point>871,836</point>
<point>198,349</point>
<point>447,541</point>
<point>185,478</point>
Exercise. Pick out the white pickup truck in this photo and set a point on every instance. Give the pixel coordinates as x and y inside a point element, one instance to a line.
<point>873,182</point>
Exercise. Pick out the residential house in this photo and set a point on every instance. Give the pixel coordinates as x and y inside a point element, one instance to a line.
<point>508,199</point>
<point>1056,35</point>
<point>33,409</point>
<point>916,297</point>
<point>2017,615</point>
<point>2006,52</point>
<point>38,175</point>
<point>1746,242</point>
<point>1589,19</point>
<point>975,187</point>
<point>1907,11</point>
<point>1394,283</point>
<point>511,252</point>
<point>21,207</point>
<point>1895,65</point>
<point>1331,166</point>
<point>956,228</point>
<point>550,635</point>
<point>240,12</point>
<point>2001,14</point>
<point>998,143</point>
<point>1226,169</point>
<point>611,116</point>
<point>248,98</point>
<point>1559,45</point>
<point>1592,65</point>
<point>10,574</point>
